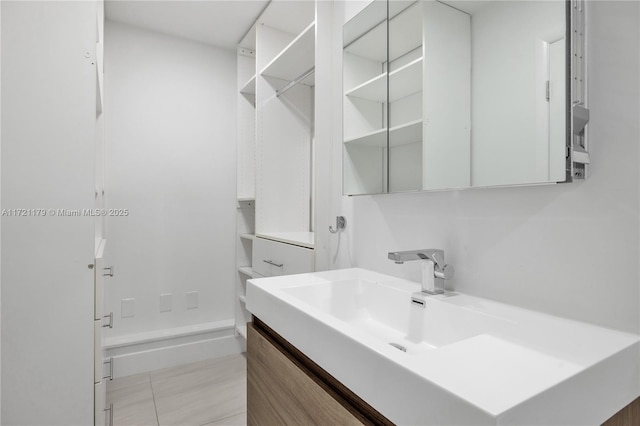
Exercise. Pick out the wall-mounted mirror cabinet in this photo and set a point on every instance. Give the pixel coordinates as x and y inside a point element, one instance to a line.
<point>459,94</point>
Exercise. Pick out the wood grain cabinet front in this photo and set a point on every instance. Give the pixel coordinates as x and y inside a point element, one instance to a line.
<point>284,387</point>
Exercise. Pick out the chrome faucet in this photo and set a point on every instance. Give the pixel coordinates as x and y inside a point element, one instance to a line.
<point>434,270</point>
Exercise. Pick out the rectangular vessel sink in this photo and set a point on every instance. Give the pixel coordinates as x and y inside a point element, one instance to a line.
<point>458,360</point>
<point>383,312</point>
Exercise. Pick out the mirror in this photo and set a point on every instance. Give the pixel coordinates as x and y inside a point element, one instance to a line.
<point>454,94</point>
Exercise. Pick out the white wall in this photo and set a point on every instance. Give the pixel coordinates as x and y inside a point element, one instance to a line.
<point>170,160</point>
<point>569,249</point>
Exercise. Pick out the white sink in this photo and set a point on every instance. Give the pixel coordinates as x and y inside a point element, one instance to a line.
<point>457,360</point>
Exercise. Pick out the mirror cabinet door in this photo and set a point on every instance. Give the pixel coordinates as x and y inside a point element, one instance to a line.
<point>454,94</point>
<point>405,99</point>
<point>365,130</point>
<point>518,84</point>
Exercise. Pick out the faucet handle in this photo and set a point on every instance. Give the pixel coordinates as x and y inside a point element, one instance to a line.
<point>438,258</point>
<point>446,272</point>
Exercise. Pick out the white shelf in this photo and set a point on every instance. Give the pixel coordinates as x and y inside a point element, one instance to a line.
<point>246,270</point>
<point>295,59</point>
<point>245,199</point>
<point>406,133</point>
<point>376,138</point>
<point>249,237</point>
<point>406,80</point>
<point>249,87</point>
<point>302,239</point>
<point>372,90</point>
<point>399,135</point>
<point>242,331</point>
<point>403,82</point>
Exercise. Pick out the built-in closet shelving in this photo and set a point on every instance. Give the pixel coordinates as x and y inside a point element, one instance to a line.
<point>245,219</point>
<point>276,79</point>
<point>285,58</point>
<point>244,255</point>
<point>296,62</point>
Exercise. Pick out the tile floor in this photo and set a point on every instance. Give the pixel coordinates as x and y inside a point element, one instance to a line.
<point>211,393</point>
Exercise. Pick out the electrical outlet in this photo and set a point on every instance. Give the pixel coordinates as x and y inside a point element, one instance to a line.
<point>192,300</point>
<point>128,308</point>
<point>165,302</point>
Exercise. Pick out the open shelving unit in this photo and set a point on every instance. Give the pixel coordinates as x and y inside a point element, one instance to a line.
<point>245,218</point>
<point>295,63</point>
<point>274,143</point>
<point>286,59</point>
<point>244,248</point>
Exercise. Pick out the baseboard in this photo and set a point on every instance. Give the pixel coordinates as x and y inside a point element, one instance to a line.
<point>143,352</point>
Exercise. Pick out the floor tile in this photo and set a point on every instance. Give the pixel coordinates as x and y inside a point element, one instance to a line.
<point>238,420</point>
<point>207,394</point>
<point>211,392</point>
<point>133,405</point>
<point>204,368</point>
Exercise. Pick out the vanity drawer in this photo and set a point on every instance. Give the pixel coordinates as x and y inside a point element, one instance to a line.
<point>272,258</point>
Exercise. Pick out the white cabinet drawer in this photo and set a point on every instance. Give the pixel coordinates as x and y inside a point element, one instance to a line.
<point>271,258</point>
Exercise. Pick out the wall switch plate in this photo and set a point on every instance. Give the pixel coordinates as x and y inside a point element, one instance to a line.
<point>165,302</point>
<point>128,308</point>
<point>192,300</point>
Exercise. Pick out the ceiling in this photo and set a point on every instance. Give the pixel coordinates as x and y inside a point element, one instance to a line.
<point>219,23</point>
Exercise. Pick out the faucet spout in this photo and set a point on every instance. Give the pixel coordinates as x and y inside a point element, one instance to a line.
<point>435,255</point>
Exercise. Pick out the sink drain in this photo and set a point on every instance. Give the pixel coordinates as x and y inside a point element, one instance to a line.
<point>397,346</point>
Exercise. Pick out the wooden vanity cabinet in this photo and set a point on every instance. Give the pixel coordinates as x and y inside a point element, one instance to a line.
<point>284,387</point>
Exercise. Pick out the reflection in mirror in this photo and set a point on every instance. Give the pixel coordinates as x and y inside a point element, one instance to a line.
<point>518,90</point>
<point>405,95</point>
<point>475,95</point>
<point>365,101</point>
